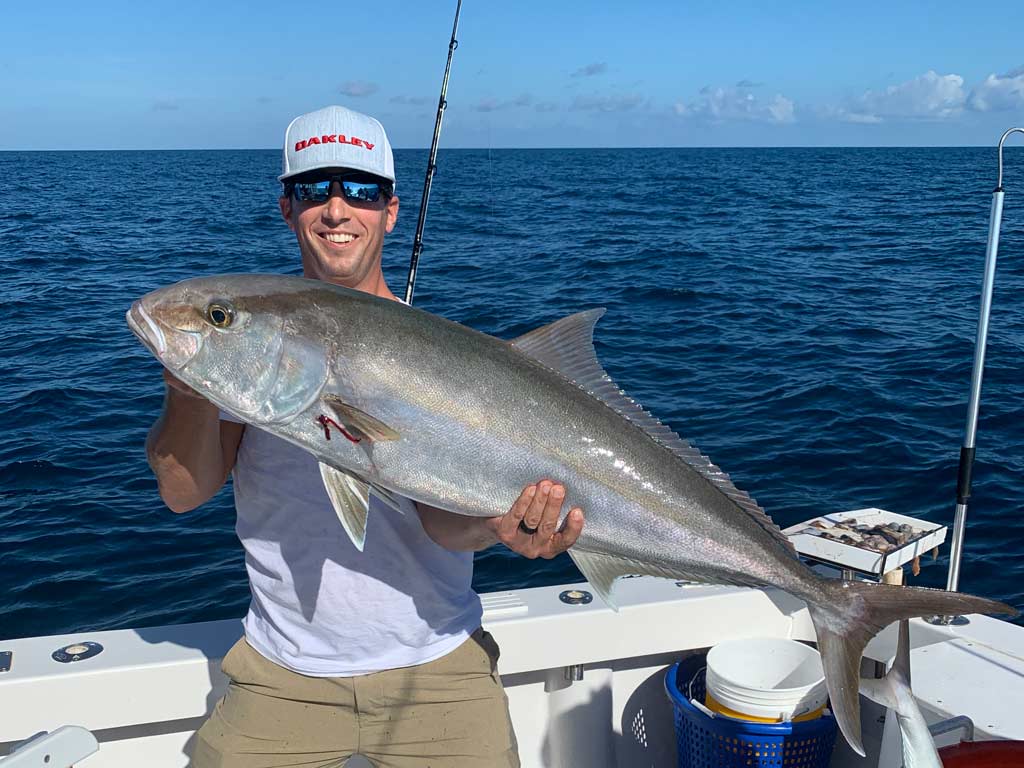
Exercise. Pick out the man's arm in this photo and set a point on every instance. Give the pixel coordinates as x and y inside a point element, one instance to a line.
<point>190,450</point>
<point>538,506</point>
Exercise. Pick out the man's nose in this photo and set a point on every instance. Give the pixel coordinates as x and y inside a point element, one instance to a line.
<point>336,208</point>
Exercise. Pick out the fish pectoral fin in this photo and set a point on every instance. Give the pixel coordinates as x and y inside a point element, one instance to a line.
<point>602,571</point>
<point>350,497</point>
<point>360,424</point>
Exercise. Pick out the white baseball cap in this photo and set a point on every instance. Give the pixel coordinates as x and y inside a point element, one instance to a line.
<point>336,137</point>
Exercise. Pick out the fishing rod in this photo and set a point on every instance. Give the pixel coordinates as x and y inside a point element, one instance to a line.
<point>417,243</point>
<point>963,484</point>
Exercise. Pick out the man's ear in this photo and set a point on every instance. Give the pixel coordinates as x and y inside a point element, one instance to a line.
<point>392,213</point>
<point>285,203</point>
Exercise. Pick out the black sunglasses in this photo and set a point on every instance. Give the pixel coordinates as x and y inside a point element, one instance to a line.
<point>356,189</point>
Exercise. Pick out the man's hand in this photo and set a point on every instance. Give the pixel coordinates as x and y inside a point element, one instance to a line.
<point>529,527</point>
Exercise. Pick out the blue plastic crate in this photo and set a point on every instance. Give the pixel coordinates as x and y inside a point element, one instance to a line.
<point>705,741</point>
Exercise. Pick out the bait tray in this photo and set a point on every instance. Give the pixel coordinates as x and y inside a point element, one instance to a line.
<point>842,555</point>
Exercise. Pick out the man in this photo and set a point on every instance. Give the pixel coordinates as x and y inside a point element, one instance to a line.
<point>381,652</point>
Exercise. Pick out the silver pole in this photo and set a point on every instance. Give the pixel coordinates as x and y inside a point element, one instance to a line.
<point>963,490</point>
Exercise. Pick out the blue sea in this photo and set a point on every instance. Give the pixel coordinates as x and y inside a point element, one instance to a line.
<point>805,316</point>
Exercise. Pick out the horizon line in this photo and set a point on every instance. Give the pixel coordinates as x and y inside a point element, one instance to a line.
<point>541,149</point>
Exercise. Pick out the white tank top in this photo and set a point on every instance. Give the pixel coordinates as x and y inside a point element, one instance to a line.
<point>319,606</point>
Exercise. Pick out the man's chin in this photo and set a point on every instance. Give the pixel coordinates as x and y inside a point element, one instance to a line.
<point>346,278</point>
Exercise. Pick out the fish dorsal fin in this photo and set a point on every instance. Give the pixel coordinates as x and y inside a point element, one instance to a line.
<point>567,346</point>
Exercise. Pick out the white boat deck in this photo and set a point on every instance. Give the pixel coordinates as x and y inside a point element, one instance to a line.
<point>147,692</point>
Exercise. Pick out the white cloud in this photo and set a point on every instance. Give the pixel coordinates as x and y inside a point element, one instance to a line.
<point>854,117</point>
<point>358,88</point>
<point>997,93</point>
<point>928,96</point>
<point>719,104</point>
<point>612,103</point>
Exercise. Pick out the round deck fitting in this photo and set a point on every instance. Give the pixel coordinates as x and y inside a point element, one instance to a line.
<point>77,652</point>
<point>576,597</point>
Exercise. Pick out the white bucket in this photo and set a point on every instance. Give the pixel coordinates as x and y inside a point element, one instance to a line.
<point>766,680</point>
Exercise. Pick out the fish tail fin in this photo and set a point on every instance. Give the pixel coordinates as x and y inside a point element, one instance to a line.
<point>852,613</point>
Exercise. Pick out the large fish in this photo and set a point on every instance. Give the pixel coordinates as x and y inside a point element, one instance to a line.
<point>893,691</point>
<point>392,399</point>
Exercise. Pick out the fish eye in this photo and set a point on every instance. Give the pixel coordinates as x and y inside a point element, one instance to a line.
<point>219,315</point>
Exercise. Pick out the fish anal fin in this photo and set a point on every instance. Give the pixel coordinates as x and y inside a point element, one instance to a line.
<point>359,424</point>
<point>602,570</point>
<point>350,497</point>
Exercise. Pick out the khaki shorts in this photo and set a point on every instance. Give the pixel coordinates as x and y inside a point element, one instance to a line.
<point>447,713</point>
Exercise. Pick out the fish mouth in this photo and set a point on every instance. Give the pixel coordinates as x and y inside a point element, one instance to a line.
<point>146,328</point>
<point>173,347</point>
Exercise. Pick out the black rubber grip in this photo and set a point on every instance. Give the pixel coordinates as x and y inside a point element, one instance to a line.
<point>963,480</point>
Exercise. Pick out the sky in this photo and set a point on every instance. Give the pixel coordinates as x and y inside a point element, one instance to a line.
<point>220,75</point>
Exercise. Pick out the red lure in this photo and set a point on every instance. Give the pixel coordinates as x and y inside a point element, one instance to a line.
<point>327,422</point>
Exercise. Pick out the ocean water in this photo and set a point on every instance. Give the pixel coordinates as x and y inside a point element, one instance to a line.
<point>805,316</point>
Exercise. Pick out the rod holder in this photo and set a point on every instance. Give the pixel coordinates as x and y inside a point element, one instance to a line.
<point>573,673</point>
<point>963,491</point>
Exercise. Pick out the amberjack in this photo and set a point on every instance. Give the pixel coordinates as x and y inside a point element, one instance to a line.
<point>394,400</point>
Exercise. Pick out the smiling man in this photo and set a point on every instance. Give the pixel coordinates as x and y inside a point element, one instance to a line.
<point>378,652</point>
<point>341,235</point>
